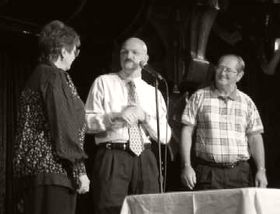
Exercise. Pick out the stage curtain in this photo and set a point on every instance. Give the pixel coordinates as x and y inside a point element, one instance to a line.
<point>15,67</point>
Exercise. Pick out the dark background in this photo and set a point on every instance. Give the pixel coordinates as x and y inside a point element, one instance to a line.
<point>244,27</point>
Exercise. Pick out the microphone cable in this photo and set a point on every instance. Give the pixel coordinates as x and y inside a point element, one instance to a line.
<point>166,135</point>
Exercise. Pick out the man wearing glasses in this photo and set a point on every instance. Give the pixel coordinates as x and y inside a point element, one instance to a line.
<point>227,128</point>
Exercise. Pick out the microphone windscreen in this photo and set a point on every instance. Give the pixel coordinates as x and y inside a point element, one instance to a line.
<point>142,64</point>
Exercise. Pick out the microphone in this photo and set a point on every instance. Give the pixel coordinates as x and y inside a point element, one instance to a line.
<point>150,70</point>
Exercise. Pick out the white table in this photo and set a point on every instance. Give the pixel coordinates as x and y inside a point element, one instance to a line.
<point>227,201</point>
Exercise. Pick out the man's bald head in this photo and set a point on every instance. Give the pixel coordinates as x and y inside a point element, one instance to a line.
<point>136,42</point>
<point>132,55</point>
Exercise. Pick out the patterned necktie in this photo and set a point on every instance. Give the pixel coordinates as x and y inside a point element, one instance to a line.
<point>135,138</point>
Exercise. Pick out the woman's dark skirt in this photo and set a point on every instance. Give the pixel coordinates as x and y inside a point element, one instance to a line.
<point>50,199</point>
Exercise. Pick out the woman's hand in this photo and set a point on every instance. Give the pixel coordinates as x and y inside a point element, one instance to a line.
<point>83,184</point>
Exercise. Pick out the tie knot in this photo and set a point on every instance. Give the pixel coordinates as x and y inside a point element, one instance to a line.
<point>131,84</point>
<point>132,96</point>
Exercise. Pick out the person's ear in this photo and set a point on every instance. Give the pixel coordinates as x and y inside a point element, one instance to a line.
<point>240,75</point>
<point>63,51</point>
<point>146,59</point>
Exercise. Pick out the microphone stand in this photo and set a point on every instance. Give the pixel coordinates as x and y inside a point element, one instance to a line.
<point>157,78</point>
<point>158,138</point>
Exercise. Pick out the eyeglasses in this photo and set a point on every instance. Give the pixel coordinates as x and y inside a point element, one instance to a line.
<point>221,68</point>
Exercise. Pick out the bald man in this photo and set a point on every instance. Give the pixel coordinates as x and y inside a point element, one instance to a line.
<point>228,132</point>
<point>120,111</point>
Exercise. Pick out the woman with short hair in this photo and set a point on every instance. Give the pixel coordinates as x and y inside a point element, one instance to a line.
<point>49,155</point>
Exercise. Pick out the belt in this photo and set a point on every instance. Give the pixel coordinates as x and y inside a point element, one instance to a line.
<point>220,165</point>
<point>120,146</point>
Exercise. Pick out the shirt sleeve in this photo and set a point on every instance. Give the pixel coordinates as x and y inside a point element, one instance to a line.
<point>254,120</point>
<point>64,121</point>
<point>96,119</point>
<point>78,170</point>
<point>190,112</point>
<point>150,123</point>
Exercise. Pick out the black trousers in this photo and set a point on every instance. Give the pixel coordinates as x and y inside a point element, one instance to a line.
<point>118,173</point>
<point>49,199</point>
<point>209,177</point>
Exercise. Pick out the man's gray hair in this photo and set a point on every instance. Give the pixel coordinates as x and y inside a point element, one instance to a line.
<point>240,61</point>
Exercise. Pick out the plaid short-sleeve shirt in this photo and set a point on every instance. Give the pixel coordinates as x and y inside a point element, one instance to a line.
<point>222,124</point>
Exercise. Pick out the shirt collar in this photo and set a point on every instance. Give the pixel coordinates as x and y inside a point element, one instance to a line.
<point>216,93</point>
<point>136,80</point>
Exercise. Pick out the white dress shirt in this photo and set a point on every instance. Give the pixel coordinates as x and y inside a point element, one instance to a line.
<point>108,96</point>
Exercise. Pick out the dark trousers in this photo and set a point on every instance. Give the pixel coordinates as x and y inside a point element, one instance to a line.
<point>209,177</point>
<point>49,199</point>
<point>118,173</point>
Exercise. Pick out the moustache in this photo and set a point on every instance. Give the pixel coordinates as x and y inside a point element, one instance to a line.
<point>130,60</point>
